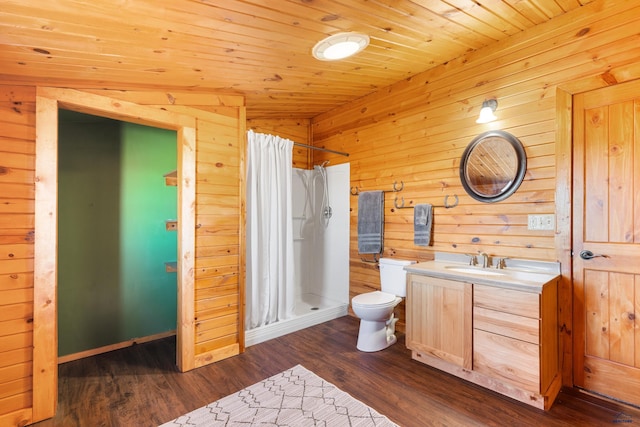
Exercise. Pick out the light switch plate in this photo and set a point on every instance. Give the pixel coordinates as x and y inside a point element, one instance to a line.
<point>542,222</point>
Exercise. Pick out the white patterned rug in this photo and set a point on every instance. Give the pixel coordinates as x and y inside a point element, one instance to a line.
<point>296,398</point>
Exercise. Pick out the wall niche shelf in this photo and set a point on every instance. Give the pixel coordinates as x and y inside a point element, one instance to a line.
<point>171,267</point>
<point>171,178</point>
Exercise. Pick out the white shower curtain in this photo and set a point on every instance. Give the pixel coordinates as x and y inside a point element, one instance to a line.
<point>270,261</point>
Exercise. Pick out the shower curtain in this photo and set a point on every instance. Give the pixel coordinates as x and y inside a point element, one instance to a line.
<point>270,261</point>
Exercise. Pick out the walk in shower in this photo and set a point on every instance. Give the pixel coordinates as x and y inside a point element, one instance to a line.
<point>320,207</point>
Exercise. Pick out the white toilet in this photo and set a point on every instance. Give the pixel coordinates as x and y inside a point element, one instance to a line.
<point>375,309</point>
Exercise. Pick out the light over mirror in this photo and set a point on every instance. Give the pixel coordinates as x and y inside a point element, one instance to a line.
<point>493,166</point>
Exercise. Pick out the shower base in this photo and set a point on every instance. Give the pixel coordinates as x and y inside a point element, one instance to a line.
<point>310,310</point>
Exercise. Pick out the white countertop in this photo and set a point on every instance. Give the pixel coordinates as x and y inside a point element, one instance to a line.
<point>522,278</point>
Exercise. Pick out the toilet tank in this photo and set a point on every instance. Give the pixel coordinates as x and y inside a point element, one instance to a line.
<point>393,277</point>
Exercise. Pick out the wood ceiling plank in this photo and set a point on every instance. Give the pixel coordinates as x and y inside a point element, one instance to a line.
<point>261,48</point>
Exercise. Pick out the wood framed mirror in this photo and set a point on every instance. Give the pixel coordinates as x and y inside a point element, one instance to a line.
<point>493,166</point>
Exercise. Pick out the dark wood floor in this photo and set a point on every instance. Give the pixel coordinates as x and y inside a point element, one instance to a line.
<point>140,386</point>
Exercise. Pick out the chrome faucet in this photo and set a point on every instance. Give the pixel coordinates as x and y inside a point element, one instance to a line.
<point>485,260</point>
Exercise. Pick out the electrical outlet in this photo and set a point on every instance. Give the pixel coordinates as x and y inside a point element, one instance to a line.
<point>541,222</point>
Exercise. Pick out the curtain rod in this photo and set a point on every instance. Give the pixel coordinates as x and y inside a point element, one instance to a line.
<point>321,149</point>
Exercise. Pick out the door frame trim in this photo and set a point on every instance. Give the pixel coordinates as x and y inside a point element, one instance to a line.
<point>45,337</point>
<point>564,229</point>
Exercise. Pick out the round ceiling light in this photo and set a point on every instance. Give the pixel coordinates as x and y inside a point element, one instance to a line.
<point>340,46</point>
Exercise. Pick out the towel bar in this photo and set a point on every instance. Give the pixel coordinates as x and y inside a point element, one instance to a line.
<point>355,190</point>
<point>375,259</point>
<point>446,203</point>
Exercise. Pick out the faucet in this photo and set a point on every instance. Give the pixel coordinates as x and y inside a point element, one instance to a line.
<point>485,260</point>
<point>473,260</point>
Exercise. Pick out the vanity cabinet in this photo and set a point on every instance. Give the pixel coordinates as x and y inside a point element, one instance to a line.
<point>439,323</point>
<point>501,338</point>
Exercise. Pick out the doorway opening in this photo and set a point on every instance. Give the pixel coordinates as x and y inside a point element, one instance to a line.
<point>116,234</point>
<point>45,338</point>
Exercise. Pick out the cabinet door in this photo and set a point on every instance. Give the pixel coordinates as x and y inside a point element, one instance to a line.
<point>439,314</point>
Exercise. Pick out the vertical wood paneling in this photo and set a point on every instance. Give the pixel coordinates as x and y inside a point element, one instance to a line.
<point>186,173</point>
<point>596,301</point>
<point>621,318</point>
<point>45,334</point>
<point>596,186</point>
<point>621,173</point>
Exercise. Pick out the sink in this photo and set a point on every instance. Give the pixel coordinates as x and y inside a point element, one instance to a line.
<point>528,276</point>
<point>477,271</point>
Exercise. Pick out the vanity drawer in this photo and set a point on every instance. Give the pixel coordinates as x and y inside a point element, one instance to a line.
<point>510,325</point>
<point>509,359</point>
<point>520,303</point>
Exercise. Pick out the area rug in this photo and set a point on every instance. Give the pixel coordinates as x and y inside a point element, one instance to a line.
<point>295,398</point>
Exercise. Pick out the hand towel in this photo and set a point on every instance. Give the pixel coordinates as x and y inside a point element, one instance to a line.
<point>370,222</point>
<point>422,224</point>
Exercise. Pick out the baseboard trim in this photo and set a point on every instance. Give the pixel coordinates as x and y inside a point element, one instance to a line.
<point>111,347</point>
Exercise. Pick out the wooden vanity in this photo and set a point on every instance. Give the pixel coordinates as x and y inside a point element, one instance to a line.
<point>494,327</point>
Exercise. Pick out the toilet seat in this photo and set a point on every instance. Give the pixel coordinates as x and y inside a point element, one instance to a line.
<point>373,299</point>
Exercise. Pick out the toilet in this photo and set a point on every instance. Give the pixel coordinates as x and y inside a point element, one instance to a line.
<point>375,309</point>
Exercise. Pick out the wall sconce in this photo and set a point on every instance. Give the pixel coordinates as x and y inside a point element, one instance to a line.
<point>340,46</point>
<point>489,106</point>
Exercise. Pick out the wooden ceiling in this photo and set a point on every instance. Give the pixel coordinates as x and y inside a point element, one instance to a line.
<point>258,48</point>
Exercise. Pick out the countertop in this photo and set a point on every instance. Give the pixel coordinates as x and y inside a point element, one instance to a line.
<point>522,278</point>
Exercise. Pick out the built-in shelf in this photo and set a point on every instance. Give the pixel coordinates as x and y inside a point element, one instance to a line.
<point>171,178</point>
<point>171,267</point>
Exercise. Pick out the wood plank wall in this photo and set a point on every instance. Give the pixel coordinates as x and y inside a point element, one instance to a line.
<point>219,235</point>
<point>416,130</point>
<point>17,193</point>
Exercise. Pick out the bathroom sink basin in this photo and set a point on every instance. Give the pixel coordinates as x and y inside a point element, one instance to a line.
<point>477,271</point>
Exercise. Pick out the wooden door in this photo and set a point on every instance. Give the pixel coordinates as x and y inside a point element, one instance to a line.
<point>606,241</point>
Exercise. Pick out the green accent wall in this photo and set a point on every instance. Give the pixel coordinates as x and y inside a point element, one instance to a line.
<point>112,238</point>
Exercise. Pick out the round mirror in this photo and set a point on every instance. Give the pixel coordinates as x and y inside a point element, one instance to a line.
<point>493,166</point>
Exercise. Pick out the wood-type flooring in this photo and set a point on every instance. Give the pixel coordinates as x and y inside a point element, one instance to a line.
<point>140,385</point>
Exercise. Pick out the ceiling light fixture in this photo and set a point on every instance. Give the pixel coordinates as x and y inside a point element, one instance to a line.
<point>489,106</point>
<point>340,46</point>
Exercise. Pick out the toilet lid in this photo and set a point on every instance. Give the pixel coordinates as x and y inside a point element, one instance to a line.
<point>373,298</point>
